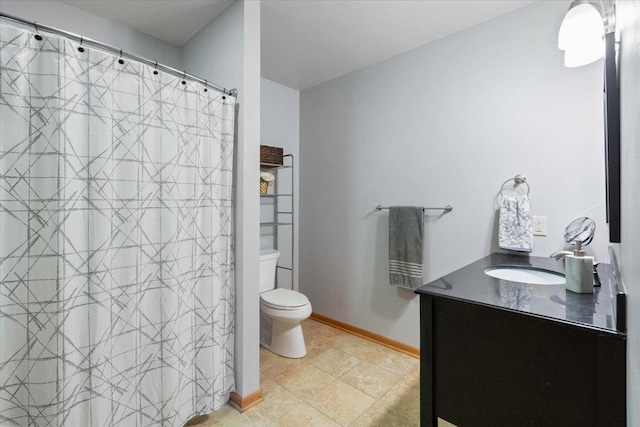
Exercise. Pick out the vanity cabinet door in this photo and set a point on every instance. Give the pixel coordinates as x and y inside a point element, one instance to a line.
<point>487,367</point>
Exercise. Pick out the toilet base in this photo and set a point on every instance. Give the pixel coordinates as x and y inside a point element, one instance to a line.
<point>287,340</point>
<point>283,337</point>
<point>281,330</point>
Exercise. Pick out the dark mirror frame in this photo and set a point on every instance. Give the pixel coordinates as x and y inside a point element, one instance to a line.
<point>612,137</point>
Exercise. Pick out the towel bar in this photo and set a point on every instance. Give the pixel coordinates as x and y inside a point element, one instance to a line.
<point>446,209</point>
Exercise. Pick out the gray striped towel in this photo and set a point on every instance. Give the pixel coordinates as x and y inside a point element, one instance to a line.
<point>406,239</point>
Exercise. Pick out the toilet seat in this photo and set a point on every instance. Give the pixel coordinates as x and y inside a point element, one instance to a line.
<point>284,299</point>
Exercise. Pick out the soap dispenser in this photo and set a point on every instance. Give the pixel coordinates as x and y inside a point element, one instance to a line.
<point>579,271</point>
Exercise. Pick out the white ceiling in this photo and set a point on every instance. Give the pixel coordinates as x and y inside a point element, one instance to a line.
<point>307,42</point>
<point>174,21</point>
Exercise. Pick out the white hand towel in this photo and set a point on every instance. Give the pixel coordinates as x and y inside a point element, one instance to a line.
<point>515,231</point>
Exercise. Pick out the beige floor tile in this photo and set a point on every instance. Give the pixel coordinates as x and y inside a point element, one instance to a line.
<point>304,380</point>
<point>323,334</point>
<point>349,399</point>
<point>334,362</point>
<point>304,416</point>
<point>314,350</point>
<point>272,365</point>
<point>309,325</point>
<point>415,372</point>
<point>227,416</point>
<point>263,375</point>
<point>341,402</point>
<point>277,402</point>
<point>337,337</point>
<point>356,346</point>
<point>403,398</point>
<point>371,379</point>
<point>314,347</point>
<point>384,417</point>
<point>267,385</point>
<point>444,423</point>
<point>394,361</point>
<point>313,339</point>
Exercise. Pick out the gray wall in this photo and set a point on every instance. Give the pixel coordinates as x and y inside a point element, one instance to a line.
<point>280,127</point>
<point>227,52</point>
<point>446,123</point>
<point>629,249</point>
<point>216,52</point>
<point>70,18</point>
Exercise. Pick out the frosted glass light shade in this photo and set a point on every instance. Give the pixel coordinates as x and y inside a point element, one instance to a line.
<point>579,56</point>
<point>582,23</point>
<point>581,35</point>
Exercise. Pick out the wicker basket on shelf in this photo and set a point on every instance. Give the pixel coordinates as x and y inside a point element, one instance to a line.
<point>271,155</point>
<point>264,186</point>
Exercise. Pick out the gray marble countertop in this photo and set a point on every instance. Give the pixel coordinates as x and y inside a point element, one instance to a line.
<point>554,302</point>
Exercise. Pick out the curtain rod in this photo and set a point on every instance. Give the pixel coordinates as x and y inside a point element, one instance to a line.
<point>121,53</point>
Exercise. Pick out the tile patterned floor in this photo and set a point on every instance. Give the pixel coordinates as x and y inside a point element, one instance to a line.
<point>344,380</point>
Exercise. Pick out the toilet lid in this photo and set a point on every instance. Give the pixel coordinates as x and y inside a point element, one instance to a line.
<point>284,298</point>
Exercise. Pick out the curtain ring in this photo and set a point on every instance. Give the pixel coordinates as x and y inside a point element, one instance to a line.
<point>155,68</point>
<point>37,36</point>
<point>184,76</point>
<point>205,86</point>
<point>80,48</point>
<point>121,61</point>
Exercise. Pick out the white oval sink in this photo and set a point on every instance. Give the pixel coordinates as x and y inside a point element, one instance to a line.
<point>526,275</point>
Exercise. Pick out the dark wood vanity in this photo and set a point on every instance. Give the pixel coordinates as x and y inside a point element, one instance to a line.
<point>500,353</point>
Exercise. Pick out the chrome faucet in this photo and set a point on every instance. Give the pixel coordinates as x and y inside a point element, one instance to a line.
<point>577,252</point>
<point>560,254</point>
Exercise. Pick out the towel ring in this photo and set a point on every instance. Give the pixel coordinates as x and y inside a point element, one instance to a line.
<point>518,179</point>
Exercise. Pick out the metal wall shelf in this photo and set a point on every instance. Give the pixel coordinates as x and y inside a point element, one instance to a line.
<point>275,223</point>
<point>274,166</point>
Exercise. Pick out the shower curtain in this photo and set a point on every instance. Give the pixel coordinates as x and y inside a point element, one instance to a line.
<point>116,269</point>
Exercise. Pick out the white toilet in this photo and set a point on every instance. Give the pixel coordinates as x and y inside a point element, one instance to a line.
<point>281,312</point>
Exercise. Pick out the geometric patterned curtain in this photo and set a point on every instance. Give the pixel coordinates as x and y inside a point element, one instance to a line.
<point>116,265</point>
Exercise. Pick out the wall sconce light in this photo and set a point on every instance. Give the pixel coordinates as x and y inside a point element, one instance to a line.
<point>582,31</point>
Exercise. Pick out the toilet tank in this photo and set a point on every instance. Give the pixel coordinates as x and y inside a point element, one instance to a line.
<point>268,262</point>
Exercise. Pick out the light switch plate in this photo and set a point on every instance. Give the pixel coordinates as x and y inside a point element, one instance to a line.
<point>539,225</point>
